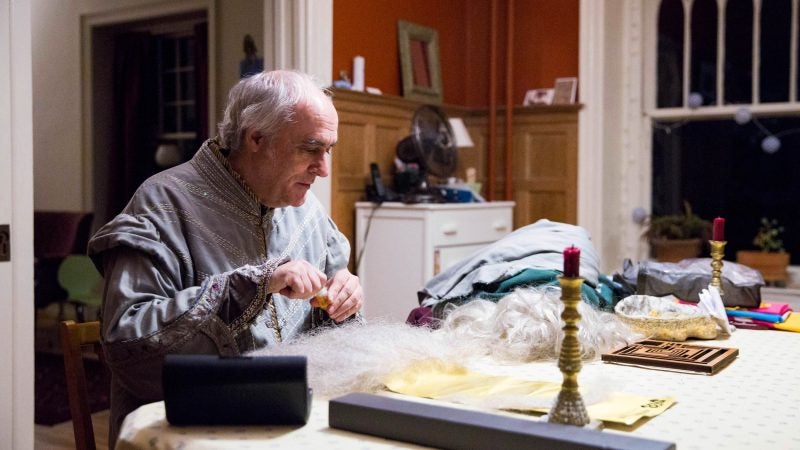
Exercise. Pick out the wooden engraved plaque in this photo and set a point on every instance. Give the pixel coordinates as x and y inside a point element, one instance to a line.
<point>674,355</point>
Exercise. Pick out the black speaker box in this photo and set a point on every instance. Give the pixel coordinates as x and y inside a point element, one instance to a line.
<point>214,390</point>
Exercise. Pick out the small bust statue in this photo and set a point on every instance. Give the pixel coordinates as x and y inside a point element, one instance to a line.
<point>251,64</point>
<point>343,81</point>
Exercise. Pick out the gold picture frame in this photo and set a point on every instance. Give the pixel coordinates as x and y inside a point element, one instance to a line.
<point>419,62</point>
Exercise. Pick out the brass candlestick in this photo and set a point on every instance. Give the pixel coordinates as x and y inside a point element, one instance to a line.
<point>717,253</point>
<point>569,408</point>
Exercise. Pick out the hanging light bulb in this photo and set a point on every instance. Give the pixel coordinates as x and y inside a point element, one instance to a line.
<point>743,115</point>
<point>639,215</point>
<point>770,144</point>
<point>695,100</point>
<point>167,155</point>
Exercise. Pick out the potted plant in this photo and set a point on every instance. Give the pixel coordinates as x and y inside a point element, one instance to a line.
<point>771,259</point>
<point>677,236</point>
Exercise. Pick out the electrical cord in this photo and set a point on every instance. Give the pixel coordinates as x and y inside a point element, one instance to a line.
<point>366,234</point>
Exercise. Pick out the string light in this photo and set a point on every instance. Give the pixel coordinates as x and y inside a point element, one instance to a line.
<point>668,127</point>
<point>769,145</point>
<point>695,100</point>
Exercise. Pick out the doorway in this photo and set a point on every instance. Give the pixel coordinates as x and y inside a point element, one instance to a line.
<point>146,87</point>
<point>149,103</point>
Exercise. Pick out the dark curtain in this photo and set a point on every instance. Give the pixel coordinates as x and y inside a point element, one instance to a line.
<point>201,79</point>
<point>135,126</point>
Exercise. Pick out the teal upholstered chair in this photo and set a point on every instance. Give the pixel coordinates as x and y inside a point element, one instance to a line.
<point>83,283</point>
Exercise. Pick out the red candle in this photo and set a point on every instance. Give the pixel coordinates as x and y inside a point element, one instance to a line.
<point>719,229</point>
<point>572,257</point>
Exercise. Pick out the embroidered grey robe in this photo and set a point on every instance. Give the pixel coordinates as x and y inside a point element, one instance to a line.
<point>186,266</point>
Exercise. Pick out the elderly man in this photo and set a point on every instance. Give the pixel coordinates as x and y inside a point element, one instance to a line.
<point>221,254</point>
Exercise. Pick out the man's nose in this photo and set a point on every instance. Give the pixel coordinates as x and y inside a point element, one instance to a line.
<point>320,167</point>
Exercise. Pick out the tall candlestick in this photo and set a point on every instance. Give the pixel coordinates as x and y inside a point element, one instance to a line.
<point>572,258</point>
<point>717,253</point>
<point>569,408</point>
<point>718,233</point>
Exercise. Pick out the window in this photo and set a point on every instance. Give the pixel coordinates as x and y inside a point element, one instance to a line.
<point>726,81</point>
<point>177,112</point>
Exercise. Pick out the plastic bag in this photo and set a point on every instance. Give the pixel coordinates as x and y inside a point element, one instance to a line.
<point>741,285</point>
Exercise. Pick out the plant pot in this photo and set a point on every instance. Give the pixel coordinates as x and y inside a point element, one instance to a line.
<point>674,250</point>
<point>771,265</point>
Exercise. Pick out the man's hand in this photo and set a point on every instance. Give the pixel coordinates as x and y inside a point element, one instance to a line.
<point>345,296</point>
<point>297,279</point>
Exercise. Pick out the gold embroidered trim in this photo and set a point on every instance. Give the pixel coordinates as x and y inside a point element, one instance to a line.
<point>258,304</point>
<point>275,325</point>
<point>229,204</point>
<point>215,150</point>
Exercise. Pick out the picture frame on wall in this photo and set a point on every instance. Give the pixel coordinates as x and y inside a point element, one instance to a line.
<point>419,62</point>
<point>564,91</point>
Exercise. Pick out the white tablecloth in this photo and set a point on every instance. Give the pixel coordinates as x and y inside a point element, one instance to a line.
<point>751,404</point>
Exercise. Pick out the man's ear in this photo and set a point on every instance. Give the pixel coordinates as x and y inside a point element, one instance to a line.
<point>253,138</point>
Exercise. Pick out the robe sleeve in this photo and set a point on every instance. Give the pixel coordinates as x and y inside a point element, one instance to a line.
<point>149,311</point>
<point>338,253</point>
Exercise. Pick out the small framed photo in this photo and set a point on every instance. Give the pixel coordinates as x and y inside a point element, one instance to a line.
<point>538,97</point>
<point>564,91</point>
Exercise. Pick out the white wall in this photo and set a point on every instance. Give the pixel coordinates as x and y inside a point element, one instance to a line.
<point>62,178</point>
<point>235,18</point>
<point>56,81</point>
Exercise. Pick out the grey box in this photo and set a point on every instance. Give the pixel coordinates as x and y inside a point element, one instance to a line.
<point>453,428</point>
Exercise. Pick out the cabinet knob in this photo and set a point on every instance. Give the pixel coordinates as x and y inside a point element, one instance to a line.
<point>450,230</point>
<point>500,226</point>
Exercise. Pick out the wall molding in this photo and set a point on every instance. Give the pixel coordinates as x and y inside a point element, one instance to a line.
<point>591,130</point>
<point>16,209</point>
<point>616,69</point>
<point>301,37</point>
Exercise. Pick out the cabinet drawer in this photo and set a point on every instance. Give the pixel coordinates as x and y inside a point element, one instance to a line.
<point>466,227</point>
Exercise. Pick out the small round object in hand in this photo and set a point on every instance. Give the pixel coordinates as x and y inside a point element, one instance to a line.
<point>322,298</point>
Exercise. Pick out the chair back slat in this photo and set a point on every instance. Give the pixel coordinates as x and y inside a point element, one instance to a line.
<point>74,336</point>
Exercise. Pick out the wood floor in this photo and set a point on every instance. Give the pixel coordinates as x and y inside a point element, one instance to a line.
<point>61,437</point>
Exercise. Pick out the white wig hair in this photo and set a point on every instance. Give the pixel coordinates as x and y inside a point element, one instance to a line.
<point>523,326</point>
<point>526,325</point>
<point>266,102</point>
<point>358,357</point>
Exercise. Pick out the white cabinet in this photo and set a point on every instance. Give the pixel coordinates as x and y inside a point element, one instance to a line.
<point>406,245</point>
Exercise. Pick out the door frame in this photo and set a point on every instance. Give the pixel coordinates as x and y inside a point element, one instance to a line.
<point>16,209</point>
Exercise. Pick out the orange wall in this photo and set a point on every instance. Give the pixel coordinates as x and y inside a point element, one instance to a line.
<point>545,43</point>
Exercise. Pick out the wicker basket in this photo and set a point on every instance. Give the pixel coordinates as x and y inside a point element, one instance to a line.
<point>665,319</point>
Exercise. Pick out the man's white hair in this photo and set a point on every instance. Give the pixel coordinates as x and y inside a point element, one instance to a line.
<point>266,102</point>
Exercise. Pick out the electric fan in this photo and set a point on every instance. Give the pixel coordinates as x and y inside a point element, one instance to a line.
<point>428,151</point>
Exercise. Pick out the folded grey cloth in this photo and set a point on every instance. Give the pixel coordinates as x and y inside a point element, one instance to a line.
<point>536,246</point>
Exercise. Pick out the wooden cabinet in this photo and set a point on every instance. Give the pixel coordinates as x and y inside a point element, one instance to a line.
<point>405,245</point>
<point>545,165</point>
<point>545,154</point>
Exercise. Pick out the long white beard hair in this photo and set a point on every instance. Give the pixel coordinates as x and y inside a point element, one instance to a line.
<point>523,326</point>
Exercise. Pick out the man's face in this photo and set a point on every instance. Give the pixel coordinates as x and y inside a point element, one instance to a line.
<point>286,167</point>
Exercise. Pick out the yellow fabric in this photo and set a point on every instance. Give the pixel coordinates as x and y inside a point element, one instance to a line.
<point>792,323</point>
<point>443,381</point>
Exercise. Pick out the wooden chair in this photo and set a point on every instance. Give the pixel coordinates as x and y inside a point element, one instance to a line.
<point>74,337</point>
